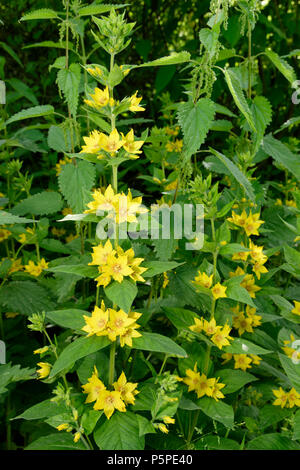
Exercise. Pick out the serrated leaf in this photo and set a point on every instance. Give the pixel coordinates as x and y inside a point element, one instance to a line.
<point>236,173</point>
<point>195,121</point>
<point>35,111</point>
<point>282,66</point>
<point>175,58</point>
<point>68,81</point>
<point>7,218</point>
<point>42,14</point>
<point>98,9</point>
<point>238,96</point>
<point>282,155</point>
<point>262,114</point>
<point>43,203</point>
<point>75,182</point>
<point>120,432</point>
<point>59,139</point>
<point>25,297</point>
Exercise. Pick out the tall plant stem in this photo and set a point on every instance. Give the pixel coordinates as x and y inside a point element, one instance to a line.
<point>112,355</point>
<point>249,59</point>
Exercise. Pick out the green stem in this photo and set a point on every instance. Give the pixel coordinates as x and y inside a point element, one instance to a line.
<point>112,356</point>
<point>249,59</point>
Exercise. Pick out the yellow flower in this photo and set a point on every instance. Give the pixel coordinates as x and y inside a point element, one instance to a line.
<point>296,310</point>
<point>293,398</point>
<point>242,361</point>
<point>126,389</point>
<point>227,357</point>
<point>238,272</point>
<point>252,224</point>
<point>168,420</point>
<point>27,237</point>
<point>71,237</point>
<point>198,383</point>
<point>102,201</point>
<point>249,284</point>
<point>241,255</point>
<point>41,350</point>
<point>127,207</point>
<point>203,280</point>
<point>36,269</point>
<point>255,359</point>
<point>58,232</point>
<point>62,162</point>
<point>166,280</point>
<point>99,99</point>
<point>94,387</point>
<point>134,264</point>
<point>112,143</point>
<point>66,211</point>
<point>251,312</point>
<point>118,323</point>
<point>256,253</point>
<point>77,436</point>
<point>94,143</point>
<point>134,103</point>
<point>258,269</point>
<point>131,332</point>
<point>198,325</point>
<point>130,145</point>
<point>62,427</point>
<point>109,401</point>
<point>44,370</point>
<point>216,393</point>
<point>242,324</point>
<point>97,323</point>
<point>238,219</point>
<point>175,146</point>
<point>116,267</point>
<point>290,203</point>
<point>4,234</point>
<point>210,328</point>
<point>95,72</point>
<point>221,337</point>
<point>163,428</point>
<point>218,291</point>
<point>281,397</point>
<point>101,253</point>
<point>16,266</point>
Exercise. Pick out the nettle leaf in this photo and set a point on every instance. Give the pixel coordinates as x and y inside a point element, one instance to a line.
<point>272,441</point>
<point>158,343</point>
<point>25,297</point>
<point>35,111</point>
<point>59,139</point>
<point>56,441</point>
<point>262,114</point>
<point>42,14</point>
<point>283,67</point>
<point>79,348</point>
<point>236,90</point>
<point>75,182</point>
<point>234,379</point>
<point>68,81</point>
<point>217,410</point>
<point>209,38</point>
<point>175,58</point>
<point>120,432</point>
<point>282,155</point>
<point>43,203</point>
<point>13,373</point>
<point>195,121</point>
<point>122,293</point>
<point>236,173</point>
<point>68,318</point>
<point>7,218</point>
<point>97,9</point>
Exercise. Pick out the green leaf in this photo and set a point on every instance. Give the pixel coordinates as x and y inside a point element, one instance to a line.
<point>23,89</point>
<point>272,442</point>
<point>262,114</point>
<point>158,343</point>
<point>122,293</point>
<point>296,434</point>
<point>69,318</point>
<point>120,432</point>
<point>35,111</point>
<point>79,348</point>
<point>236,173</point>
<point>25,297</point>
<point>68,81</point>
<point>234,379</point>
<point>59,139</point>
<point>44,409</point>
<point>195,121</point>
<point>217,410</point>
<point>11,52</point>
<point>43,203</point>
<point>56,441</point>
<point>98,9</point>
<point>216,443</point>
<point>180,317</point>
<point>292,370</point>
<point>292,257</point>
<point>42,14</point>
<point>75,182</point>
<point>89,420</point>
<point>158,267</point>
<point>270,415</point>
<point>282,66</point>
<point>80,270</point>
<point>238,95</point>
<point>243,346</point>
<point>282,155</point>
<point>236,292</point>
<point>175,58</point>
<point>209,38</point>
<point>7,218</point>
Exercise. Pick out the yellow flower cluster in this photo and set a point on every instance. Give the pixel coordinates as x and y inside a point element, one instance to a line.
<point>119,206</point>
<point>36,269</point>
<point>110,400</point>
<point>44,370</point>
<point>245,321</point>
<point>174,132</point>
<point>290,352</point>
<point>241,361</point>
<point>257,258</point>
<point>248,282</point>
<point>219,334</point>
<point>296,309</point>
<point>28,236</point>
<point>286,399</point>
<point>250,223</point>
<point>201,385</point>
<point>112,323</point>
<point>116,264</point>
<point>175,146</point>
<point>4,234</point>
<point>203,280</point>
<point>98,141</point>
